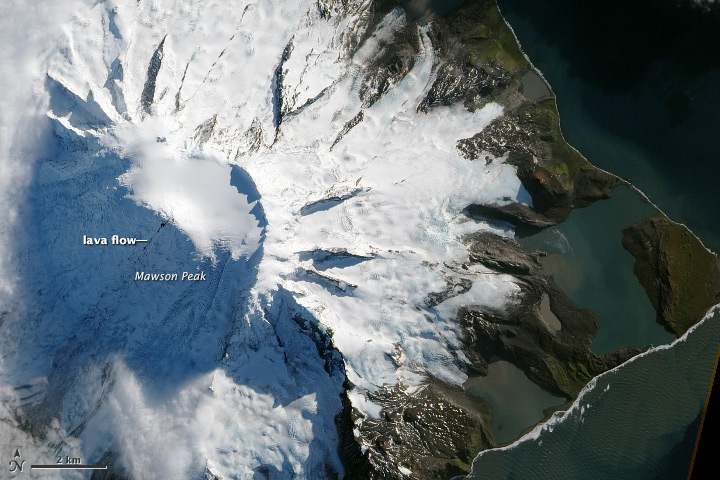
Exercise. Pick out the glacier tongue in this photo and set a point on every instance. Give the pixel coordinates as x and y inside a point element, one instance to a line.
<point>238,375</point>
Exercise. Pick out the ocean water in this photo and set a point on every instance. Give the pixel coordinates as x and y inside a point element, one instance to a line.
<point>637,90</point>
<point>639,421</point>
<point>587,260</point>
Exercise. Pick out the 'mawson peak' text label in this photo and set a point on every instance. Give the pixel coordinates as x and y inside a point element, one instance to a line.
<point>169,277</point>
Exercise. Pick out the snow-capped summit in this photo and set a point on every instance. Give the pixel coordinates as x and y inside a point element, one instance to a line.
<point>253,142</point>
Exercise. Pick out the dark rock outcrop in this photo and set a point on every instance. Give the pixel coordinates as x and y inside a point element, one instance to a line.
<point>434,432</point>
<point>148,94</point>
<point>560,361</point>
<point>557,177</point>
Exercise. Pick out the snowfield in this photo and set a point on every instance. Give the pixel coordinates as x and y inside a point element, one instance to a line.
<point>219,132</point>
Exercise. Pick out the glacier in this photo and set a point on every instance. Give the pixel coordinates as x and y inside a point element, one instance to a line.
<point>234,137</point>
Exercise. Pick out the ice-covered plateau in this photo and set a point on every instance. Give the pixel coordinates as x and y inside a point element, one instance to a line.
<point>323,163</point>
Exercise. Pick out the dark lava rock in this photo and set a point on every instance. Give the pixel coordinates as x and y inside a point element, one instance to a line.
<point>502,254</point>
<point>455,286</point>
<point>515,214</point>
<point>347,127</point>
<point>148,94</point>
<point>394,59</point>
<point>479,61</point>
<point>560,361</point>
<point>434,432</point>
<point>462,82</point>
<point>557,177</point>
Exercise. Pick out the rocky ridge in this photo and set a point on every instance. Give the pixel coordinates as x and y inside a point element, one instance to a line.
<point>479,61</point>
<point>336,340</point>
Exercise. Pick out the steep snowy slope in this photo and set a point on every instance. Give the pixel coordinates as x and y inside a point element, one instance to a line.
<point>257,143</point>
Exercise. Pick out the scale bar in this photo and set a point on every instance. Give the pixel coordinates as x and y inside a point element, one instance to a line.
<point>65,467</point>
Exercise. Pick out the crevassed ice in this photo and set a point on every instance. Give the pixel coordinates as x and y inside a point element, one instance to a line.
<point>216,105</point>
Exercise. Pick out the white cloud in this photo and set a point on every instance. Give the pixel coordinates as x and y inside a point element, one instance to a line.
<point>409,187</point>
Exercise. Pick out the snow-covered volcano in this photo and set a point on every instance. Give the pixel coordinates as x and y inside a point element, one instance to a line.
<point>254,142</point>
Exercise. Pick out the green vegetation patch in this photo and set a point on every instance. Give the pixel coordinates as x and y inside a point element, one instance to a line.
<point>491,43</point>
<point>570,376</point>
<point>680,276</point>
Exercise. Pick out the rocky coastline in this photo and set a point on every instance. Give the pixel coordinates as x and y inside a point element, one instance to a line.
<point>438,429</point>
